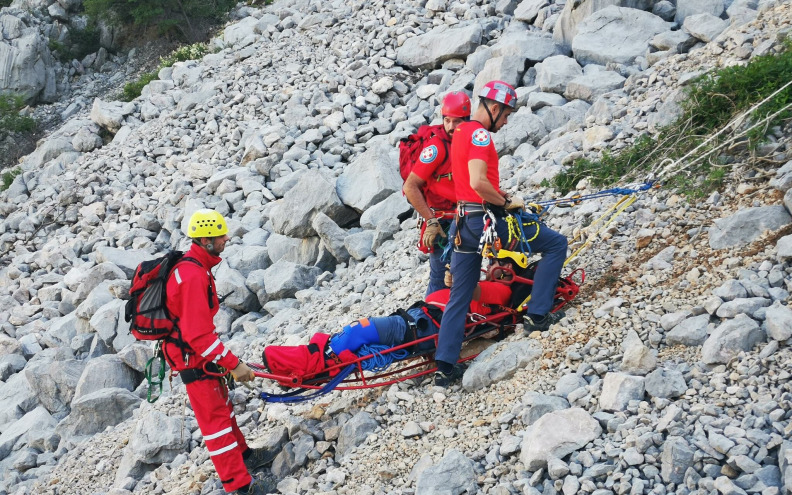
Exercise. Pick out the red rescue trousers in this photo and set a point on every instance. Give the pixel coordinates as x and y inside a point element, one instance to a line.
<point>217,421</point>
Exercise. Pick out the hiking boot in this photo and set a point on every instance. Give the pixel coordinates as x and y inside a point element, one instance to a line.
<point>542,324</point>
<point>257,487</point>
<point>257,458</point>
<point>444,380</point>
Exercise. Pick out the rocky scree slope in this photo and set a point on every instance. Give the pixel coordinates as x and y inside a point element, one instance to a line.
<point>669,379</point>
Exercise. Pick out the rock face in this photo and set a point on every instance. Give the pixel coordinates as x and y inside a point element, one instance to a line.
<point>27,68</point>
<point>556,435</point>
<point>429,50</point>
<point>615,34</point>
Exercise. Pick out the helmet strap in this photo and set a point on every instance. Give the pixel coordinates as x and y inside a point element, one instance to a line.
<point>489,114</point>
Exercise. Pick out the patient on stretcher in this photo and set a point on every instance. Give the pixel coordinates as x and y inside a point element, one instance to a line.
<point>422,319</point>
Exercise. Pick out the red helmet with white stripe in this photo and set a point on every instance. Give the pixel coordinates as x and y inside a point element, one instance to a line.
<point>501,92</point>
<point>456,104</point>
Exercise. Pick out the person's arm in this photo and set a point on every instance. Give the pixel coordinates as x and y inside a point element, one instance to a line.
<point>482,186</point>
<point>196,323</point>
<point>412,189</point>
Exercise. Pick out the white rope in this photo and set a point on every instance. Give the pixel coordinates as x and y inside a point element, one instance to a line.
<point>737,120</point>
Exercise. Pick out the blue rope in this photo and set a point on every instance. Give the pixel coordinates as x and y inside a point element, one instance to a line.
<point>624,191</point>
<point>378,361</point>
<point>293,397</point>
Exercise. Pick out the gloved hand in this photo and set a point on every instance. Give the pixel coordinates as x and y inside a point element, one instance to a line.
<point>242,373</point>
<point>433,229</point>
<point>513,203</point>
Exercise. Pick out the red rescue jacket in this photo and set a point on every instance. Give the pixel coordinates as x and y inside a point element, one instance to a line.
<point>192,300</point>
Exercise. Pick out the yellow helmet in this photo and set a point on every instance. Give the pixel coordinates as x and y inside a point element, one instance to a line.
<point>520,258</point>
<point>206,223</point>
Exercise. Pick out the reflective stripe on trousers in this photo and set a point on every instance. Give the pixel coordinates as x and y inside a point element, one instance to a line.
<point>224,442</point>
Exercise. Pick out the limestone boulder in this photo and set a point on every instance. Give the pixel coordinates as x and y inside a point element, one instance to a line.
<point>108,371</point>
<point>156,439</point>
<point>589,87</point>
<point>394,206</point>
<point>370,178</point>
<point>429,50</point>
<point>96,411</point>
<point>313,193</point>
<point>687,8</point>
<point>554,73</point>
<point>110,115</point>
<point>616,34</point>
<point>746,226</point>
<point>454,475</point>
<point>573,13</point>
<point>618,389</point>
<point>499,362</point>
<point>557,434</point>
<point>283,279</point>
<point>355,431</point>
<point>55,382</point>
<point>730,338</point>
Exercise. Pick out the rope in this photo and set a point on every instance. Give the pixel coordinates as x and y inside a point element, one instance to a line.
<point>616,191</point>
<point>731,140</point>
<point>611,214</point>
<point>734,122</point>
<point>378,361</point>
<point>293,397</point>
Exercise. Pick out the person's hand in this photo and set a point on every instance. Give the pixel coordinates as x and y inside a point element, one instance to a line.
<point>448,280</point>
<point>514,203</point>
<point>242,373</point>
<point>433,229</point>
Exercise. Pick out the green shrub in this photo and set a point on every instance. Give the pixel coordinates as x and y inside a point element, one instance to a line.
<point>182,54</point>
<point>164,15</point>
<point>711,102</point>
<point>10,118</point>
<point>132,90</point>
<point>8,178</point>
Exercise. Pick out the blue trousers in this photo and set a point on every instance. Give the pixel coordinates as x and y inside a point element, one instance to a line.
<point>466,271</point>
<point>436,264</point>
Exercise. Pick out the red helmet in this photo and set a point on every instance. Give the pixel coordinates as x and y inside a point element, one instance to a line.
<point>456,104</point>
<point>501,92</point>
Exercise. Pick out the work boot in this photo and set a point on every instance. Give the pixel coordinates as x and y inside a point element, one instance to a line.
<point>257,458</point>
<point>444,380</point>
<point>533,323</point>
<point>257,487</point>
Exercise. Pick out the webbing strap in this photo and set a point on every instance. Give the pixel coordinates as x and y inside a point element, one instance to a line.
<point>294,397</point>
<point>160,375</point>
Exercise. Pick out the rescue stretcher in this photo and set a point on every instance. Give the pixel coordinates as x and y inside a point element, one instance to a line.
<point>352,375</point>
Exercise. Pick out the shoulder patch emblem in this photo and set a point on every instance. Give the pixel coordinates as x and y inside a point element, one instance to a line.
<point>429,154</point>
<point>481,138</point>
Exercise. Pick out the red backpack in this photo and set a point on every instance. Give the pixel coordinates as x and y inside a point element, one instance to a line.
<point>410,147</point>
<point>147,310</point>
